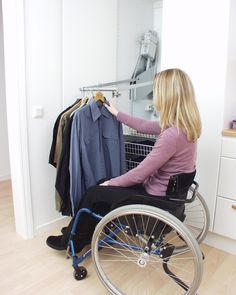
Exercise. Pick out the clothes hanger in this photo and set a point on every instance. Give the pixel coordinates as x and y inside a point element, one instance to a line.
<point>99,97</point>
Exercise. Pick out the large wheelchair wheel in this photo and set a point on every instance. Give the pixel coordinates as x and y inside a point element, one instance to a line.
<point>133,250</point>
<point>197,218</point>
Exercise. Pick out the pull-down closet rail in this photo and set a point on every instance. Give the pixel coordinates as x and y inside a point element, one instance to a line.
<point>131,84</point>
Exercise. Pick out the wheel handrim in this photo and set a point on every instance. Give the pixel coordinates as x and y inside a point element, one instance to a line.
<point>129,261</point>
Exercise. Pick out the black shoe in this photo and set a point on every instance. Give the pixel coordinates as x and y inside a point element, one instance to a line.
<point>60,243</point>
<point>63,230</point>
<point>57,242</point>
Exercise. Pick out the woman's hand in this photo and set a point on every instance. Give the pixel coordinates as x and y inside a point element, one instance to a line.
<point>111,109</point>
<point>105,183</point>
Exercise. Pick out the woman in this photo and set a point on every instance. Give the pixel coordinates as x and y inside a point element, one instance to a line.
<point>173,153</point>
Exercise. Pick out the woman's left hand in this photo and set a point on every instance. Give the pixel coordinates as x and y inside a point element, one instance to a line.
<point>105,183</point>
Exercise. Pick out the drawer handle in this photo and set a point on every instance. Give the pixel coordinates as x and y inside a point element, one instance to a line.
<point>234,207</point>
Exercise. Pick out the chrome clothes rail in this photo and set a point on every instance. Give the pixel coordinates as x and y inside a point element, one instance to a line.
<point>132,84</point>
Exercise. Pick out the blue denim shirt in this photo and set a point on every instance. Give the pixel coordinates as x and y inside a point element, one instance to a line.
<point>97,149</point>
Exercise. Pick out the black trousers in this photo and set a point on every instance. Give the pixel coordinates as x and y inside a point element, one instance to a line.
<point>103,199</point>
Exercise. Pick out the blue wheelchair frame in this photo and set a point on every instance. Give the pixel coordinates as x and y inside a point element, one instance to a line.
<point>78,260</point>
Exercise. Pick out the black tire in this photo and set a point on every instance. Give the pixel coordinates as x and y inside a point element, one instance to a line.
<point>80,273</point>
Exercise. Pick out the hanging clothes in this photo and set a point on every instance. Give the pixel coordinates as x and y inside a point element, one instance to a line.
<point>59,140</point>
<point>96,149</point>
<point>54,137</point>
<point>61,129</point>
<point>63,174</point>
<point>56,146</point>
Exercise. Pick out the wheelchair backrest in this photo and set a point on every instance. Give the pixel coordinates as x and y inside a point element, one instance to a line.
<point>179,185</point>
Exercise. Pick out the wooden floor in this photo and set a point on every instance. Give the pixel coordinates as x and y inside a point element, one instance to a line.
<point>30,267</point>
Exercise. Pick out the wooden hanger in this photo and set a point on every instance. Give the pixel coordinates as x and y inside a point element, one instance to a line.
<point>99,97</point>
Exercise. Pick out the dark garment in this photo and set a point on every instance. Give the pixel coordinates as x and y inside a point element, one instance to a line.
<point>63,174</point>
<point>54,137</point>
<point>103,199</point>
<point>96,151</point>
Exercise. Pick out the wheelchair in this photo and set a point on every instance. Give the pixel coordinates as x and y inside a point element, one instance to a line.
<point>142,249</point>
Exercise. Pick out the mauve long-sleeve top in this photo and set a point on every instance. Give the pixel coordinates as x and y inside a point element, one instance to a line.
<point>172,154</point>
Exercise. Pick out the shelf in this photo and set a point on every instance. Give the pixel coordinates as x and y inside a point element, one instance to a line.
<point>229,132</point>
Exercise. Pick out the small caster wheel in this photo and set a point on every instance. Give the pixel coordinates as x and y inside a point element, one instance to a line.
<point>80,273</point>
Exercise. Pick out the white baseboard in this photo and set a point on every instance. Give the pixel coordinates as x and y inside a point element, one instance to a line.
<point>5,177</point>
<point>220,242</point>
<point>51,225</point>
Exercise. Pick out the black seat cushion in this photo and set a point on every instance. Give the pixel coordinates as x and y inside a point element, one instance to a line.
<point>174,208</point>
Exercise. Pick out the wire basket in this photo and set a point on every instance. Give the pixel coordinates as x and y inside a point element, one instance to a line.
<point>131,164</point>
<point>138,134</point>
<point>135,153</point>
<point>137,149</point>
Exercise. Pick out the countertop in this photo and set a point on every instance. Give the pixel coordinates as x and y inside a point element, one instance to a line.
<point>229,132</point>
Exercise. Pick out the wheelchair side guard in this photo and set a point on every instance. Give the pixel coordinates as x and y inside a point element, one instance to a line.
<point>183,198</point>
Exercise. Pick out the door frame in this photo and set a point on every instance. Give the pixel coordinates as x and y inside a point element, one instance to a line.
<point>16,102</point>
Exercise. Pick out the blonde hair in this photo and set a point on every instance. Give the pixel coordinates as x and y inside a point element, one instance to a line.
<point>175,101</point>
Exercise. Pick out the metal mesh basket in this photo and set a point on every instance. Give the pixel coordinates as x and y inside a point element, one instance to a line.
<point>135,152</point>
<point>133,132</point>
<point>131,164</point>
<point>137,149</point>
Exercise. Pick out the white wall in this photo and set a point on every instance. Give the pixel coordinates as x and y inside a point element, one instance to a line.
<point>230,93</point>
<point>89,44</point>
<point>194,38</point>
<point>43,39</point>
<point>14,50</point>
<point>4,149</point>
<point>157,26</point>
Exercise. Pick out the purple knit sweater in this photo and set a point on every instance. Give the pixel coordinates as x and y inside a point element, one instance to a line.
<point>171,154</point>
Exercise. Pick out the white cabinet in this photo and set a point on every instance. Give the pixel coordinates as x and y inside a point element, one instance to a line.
<point>225,221</point>
<point>229,146</point>
<point>227,178</point>
<point>225,215</point>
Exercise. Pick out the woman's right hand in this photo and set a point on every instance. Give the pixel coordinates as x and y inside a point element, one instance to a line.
<point>111,109</point>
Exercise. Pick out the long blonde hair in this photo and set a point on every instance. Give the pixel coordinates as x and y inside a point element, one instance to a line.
<point>175,101</point>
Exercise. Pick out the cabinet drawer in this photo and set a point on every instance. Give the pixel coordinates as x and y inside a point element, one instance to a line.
<point>225,218</point>
<point>227,178</point>
<point>228,147</point>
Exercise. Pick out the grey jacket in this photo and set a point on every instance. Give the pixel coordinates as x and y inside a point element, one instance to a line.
<point>97,149</point>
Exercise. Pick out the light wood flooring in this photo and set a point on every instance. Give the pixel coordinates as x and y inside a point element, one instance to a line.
<point>30,267</point>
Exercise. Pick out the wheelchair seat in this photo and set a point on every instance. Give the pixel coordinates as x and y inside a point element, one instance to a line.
<point>175,199</point>
<point>173,202</point>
